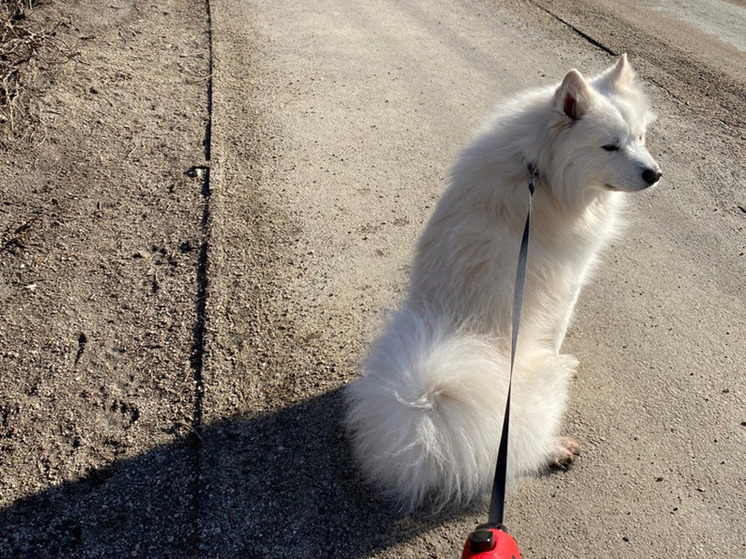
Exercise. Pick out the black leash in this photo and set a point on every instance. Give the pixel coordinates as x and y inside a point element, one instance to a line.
<point>497,504</point>
<point>491,540</point>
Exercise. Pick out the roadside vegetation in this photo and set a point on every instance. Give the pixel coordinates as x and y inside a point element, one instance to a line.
<point>24,41</point>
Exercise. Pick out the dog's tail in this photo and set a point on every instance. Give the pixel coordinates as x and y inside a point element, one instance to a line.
<point>425,420</point>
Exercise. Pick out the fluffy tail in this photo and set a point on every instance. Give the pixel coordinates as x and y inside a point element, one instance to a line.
<point>426,418</point>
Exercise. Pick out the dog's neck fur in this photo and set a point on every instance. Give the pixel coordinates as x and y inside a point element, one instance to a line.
<point>586,218</point>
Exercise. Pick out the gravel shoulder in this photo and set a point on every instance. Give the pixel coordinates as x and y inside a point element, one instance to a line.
<point>101,232</point>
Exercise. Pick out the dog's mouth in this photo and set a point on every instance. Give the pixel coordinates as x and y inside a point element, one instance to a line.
<point>612,188</point>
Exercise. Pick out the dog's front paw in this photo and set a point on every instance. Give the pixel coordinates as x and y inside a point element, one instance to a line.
<point>564,452</point>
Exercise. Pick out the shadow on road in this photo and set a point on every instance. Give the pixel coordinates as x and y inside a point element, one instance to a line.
<point>280,485</point>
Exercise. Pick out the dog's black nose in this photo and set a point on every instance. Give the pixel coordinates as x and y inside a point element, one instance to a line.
<point>651,176</point>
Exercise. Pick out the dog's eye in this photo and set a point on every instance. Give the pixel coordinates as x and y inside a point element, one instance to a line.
<point>611,147</point>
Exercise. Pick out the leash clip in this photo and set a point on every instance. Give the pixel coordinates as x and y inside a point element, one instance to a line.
<point>532,172</point>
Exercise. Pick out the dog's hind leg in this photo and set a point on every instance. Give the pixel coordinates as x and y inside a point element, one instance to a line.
<point>539,397</point>
<point>564,453</point>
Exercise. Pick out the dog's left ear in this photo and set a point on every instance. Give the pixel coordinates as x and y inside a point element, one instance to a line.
<point>574,96</point>
<point>619,76</point>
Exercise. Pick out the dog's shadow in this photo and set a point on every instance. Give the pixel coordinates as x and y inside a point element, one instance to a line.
<point>280,485</point>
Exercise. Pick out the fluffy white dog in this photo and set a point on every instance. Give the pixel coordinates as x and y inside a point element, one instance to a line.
<point>426,417</point>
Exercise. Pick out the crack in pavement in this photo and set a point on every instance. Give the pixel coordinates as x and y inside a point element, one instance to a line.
<point>197,358</point>
<point>577,31</point>
<point>198,347</point>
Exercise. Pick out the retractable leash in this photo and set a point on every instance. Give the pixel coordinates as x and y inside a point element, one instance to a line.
<point>491,540</point>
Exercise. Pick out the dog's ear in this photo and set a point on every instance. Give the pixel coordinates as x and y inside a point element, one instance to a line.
<point>619,76</point>
<point>574,96</point>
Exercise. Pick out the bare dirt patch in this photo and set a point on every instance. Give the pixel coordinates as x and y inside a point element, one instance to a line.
<point>100,231</point>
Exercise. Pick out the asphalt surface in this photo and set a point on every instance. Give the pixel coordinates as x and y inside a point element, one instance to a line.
<point>219,203</point>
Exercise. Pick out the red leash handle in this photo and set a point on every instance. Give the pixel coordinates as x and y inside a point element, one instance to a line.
<point>490,542</point>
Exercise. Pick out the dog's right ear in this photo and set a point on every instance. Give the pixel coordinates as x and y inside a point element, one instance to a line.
<point>620,76</point>
<point>573,97</point>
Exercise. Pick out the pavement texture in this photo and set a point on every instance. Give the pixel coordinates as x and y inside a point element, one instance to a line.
<point>209,211</point>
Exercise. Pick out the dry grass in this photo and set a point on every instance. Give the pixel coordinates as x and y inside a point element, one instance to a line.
<point>21,41</point>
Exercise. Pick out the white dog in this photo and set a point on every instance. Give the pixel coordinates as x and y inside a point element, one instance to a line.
<point>426,417</point>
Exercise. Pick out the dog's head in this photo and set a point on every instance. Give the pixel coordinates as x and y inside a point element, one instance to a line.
<point>598,132</point>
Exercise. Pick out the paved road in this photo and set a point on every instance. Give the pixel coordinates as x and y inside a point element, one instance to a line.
<point>331,127</point>
<point>361,107</point>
